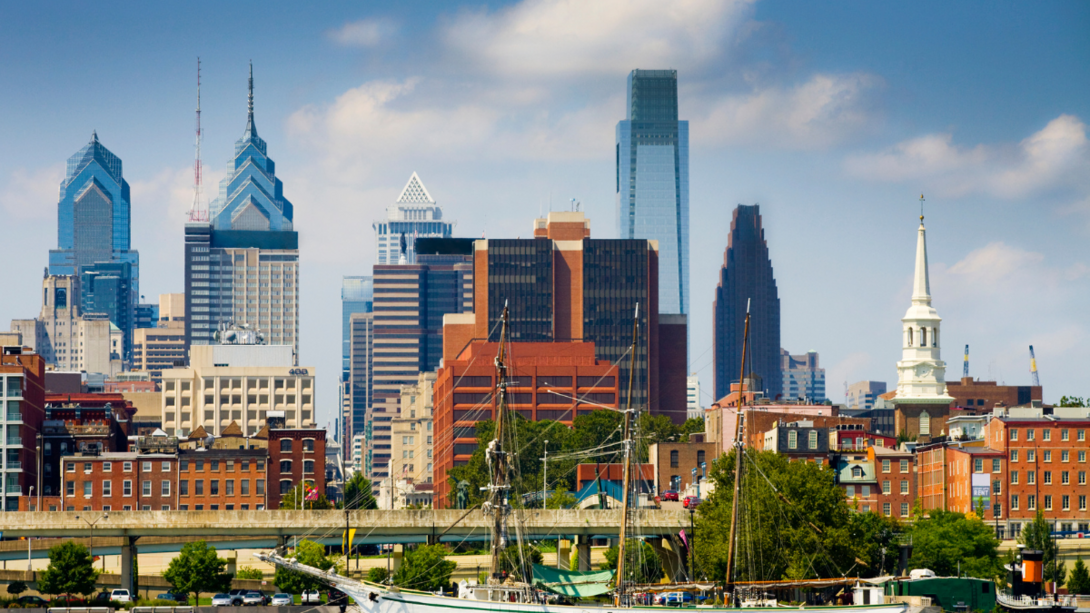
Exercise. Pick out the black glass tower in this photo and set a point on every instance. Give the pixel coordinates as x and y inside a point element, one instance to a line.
<point>747,276</point>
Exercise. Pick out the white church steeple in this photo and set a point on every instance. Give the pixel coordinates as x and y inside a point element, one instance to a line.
<point>921,373</point>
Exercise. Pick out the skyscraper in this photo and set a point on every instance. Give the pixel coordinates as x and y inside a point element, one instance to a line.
<point>653,179</point>
<point>414,215</point>
<point>357,298</point>
<point>242,265</point>
<point>93,229</point>
<point>803,377</point>
<point>746,276</point>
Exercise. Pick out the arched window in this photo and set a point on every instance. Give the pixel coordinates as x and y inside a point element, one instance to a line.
<point>285,445</point>
<point>923,337</point>
<point>925,423</point>
<point>910,337</point>
<point>934,337</point>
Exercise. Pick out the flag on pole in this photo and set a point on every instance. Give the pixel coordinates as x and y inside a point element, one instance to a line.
<point>347,538</point>
<point>312,493</point>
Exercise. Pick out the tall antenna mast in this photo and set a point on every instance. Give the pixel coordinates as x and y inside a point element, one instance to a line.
<point>197,212</point>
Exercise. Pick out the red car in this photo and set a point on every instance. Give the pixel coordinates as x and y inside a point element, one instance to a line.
<point>690,502</point>
<point>669,495</point>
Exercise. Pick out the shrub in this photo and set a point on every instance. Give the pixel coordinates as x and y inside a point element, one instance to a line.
<point>378,574</point>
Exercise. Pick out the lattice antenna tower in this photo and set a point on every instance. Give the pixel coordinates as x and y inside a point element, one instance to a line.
<point>197,212</point>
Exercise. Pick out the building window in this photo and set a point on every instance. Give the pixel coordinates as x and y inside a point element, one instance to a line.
<point>1080,435</point>
<point>904,466</point>
<point>886,509</point>
<point>126,488</point>
<point>198,487</point>
<point>996,465</point>
<point>147,467</point>
<point>1031,502</point>
<point>285,466</point>
<point>214,466</point>
<point>165,491</point>
<point>978,465</point>
<point>904,486</point>
<point>1048,477</point>
<point>1065,501</point>
<point>1014,502</point>
<point>904,509</point>
<point>166,467</point>
<point>925,424</point>
<point>107,467</point>
<point>887,487</point>
<point>1014,477</point>
<point>1031,477</point>
<point>308,465</point>
<point>88,489</point>
<point>1030,432</point>
<point>145,488</point>
<point>285,486</point>
<point>1082,477</point>
<point>1031,455</point>
<point>1048,455</point>
<point>183,487</point>
<point>792,440</point>
<point>199,466</point>
<point>923,337</point>
<point>1082,456</point>
<point>1048,502</point>
<point>214,487</point>
<point>1064,456</point>
<point>244,487</point>
<point>308,444</point>
<point>998,509</point>
<point>699,458</point>
<point>260,485</point>
<point>673,458</point>
<point>1082,503</point>
<point>126,466</point>
<point>1014,434</point>
<point>107,489</point>
<point>1046,434</point>
<point>229,487</point>
<point>1064,434</point>
<point>285,445</point>
<point>70,467</point>
<point>1064,478</point>
<point>886,466</point>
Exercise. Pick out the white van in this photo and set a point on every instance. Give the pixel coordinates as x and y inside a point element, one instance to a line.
<point>120,596</point>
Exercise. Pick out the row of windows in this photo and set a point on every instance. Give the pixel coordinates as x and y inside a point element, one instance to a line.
<point>1031,502</point>
<point>214,487</point>
<point>145,467</point>
<point>1046,434</point>
<point>886,466</point>
<point>1031,456</point>
<point>88,488</point>
<point>1065,477</point>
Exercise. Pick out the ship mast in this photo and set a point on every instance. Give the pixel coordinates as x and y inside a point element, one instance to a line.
<point>618,599</point>
<point>739,446</point>
<point>498,462</point>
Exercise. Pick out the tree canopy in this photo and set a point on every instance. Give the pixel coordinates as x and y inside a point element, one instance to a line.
<point>425,568</point>
<point>947,541</point>
<point>793,523</point>
<point>1073,401</point>
<point>197,569</point>
<point>358,494</point>
<point>70,571</point>
<point>1037,534</point>
<point>1078,581</point>
<point>311,554</point>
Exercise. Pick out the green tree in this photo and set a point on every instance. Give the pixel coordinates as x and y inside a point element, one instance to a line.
<point>358,494</point>
<point>291,500</point>
<point>197,569</point>
<point>251,573</point>
<point>1078,582</point>
<point>876,536</point>
<point>310,554</point>
<point>793,522</point>
<point>1037,534</point>
<point>425,568</point>
<point>16,587</point>
<point>694,425</point>
<point>946,540</point>
<point>70,571</point>
<point>1073,401</point>
<point>378,574</point>
<point>642,564</point>
<point>561,498</point>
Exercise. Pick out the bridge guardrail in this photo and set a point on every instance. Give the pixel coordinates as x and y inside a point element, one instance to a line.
<point>182,609</point>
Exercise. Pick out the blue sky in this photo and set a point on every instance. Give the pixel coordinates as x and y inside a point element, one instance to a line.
<point>833,116</point>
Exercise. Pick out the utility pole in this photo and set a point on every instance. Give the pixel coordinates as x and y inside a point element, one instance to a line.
<point>91,540</point>
<point>545,476</point>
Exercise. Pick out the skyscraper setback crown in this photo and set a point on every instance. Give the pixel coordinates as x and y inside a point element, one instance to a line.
<point>413,215</point>
<point>251,197</point>
<point>653,179</point>
<point>747,276</point>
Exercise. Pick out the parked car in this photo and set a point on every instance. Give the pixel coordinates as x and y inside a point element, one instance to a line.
<point>253,598</point>
<point>101,598</point>
<point>32,601</point>
<point>173,598</point>
<point>691,502</point>
<point>67,600</point>
<point>669,495</point>
<point>674,599</point>
<point>120,595</point>
<point>311,597</point>
<point>282,600</point>
<point>223,600</point>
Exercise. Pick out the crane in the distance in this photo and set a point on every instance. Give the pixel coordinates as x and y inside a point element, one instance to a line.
<point>1033,368</point>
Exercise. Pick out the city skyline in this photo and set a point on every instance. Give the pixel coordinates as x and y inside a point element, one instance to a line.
<point>783,111</point>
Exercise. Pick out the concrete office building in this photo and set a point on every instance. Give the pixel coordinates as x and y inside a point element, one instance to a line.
<point>693,408</point>
<point>162,347</point>
<point>412,437</point>
<point>653,179</point>
<point>413,216</point>
<point>357,296</point>
<point>747,279</point>
<point>242,266</point>
<point>237,383</point>
<point>803,377</point>
<point>361,372</point>
<point>66,338</point>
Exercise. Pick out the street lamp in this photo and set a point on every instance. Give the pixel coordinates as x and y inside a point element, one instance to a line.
<point>38,470</point>
<point>545,475</point>
<point>91,540</point>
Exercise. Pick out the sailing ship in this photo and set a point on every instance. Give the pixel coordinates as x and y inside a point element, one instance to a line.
<point>500,594</point>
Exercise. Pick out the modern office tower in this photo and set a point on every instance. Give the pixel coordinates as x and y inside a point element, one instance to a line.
<point>147,314</point>
<point>242,266</point>
<point>802,377</point>
<point>240,383</point>
<point>162,347</point>
<point>106,289</point>
<point>746,278</point>
<point>361,371</point>
<point>413,216</point>
<point>93,230</point>
<point>22,385</point>
<point>357,296</point>
<point>863,394</point>
<point>693,408</point>
<point>66,338</point>
<point>410,303</point>
<point>653,179</point>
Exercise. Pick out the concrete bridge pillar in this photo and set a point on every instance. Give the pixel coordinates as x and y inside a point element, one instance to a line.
<point>563,554</point>
<point>281,543</point>
<point>396,558</point>
<point>128,556</point>
<point>672,557</point>
<point>583,555</point>
<point>232,561</point>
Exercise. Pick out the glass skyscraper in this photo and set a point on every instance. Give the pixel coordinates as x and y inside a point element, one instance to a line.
<point>653,179</point>
<point>93,231</point>
<point>357,296</point>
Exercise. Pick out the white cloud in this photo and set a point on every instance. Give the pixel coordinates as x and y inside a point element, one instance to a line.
<point>1058,156</point>
<point>32,194</point>
<point>569,37</point>
<point>363,33</point>
<point>820,112</point>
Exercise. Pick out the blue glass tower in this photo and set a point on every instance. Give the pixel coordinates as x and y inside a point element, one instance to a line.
<point>93,232</point>
<point>357,296</point>
<point>653,180</point>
